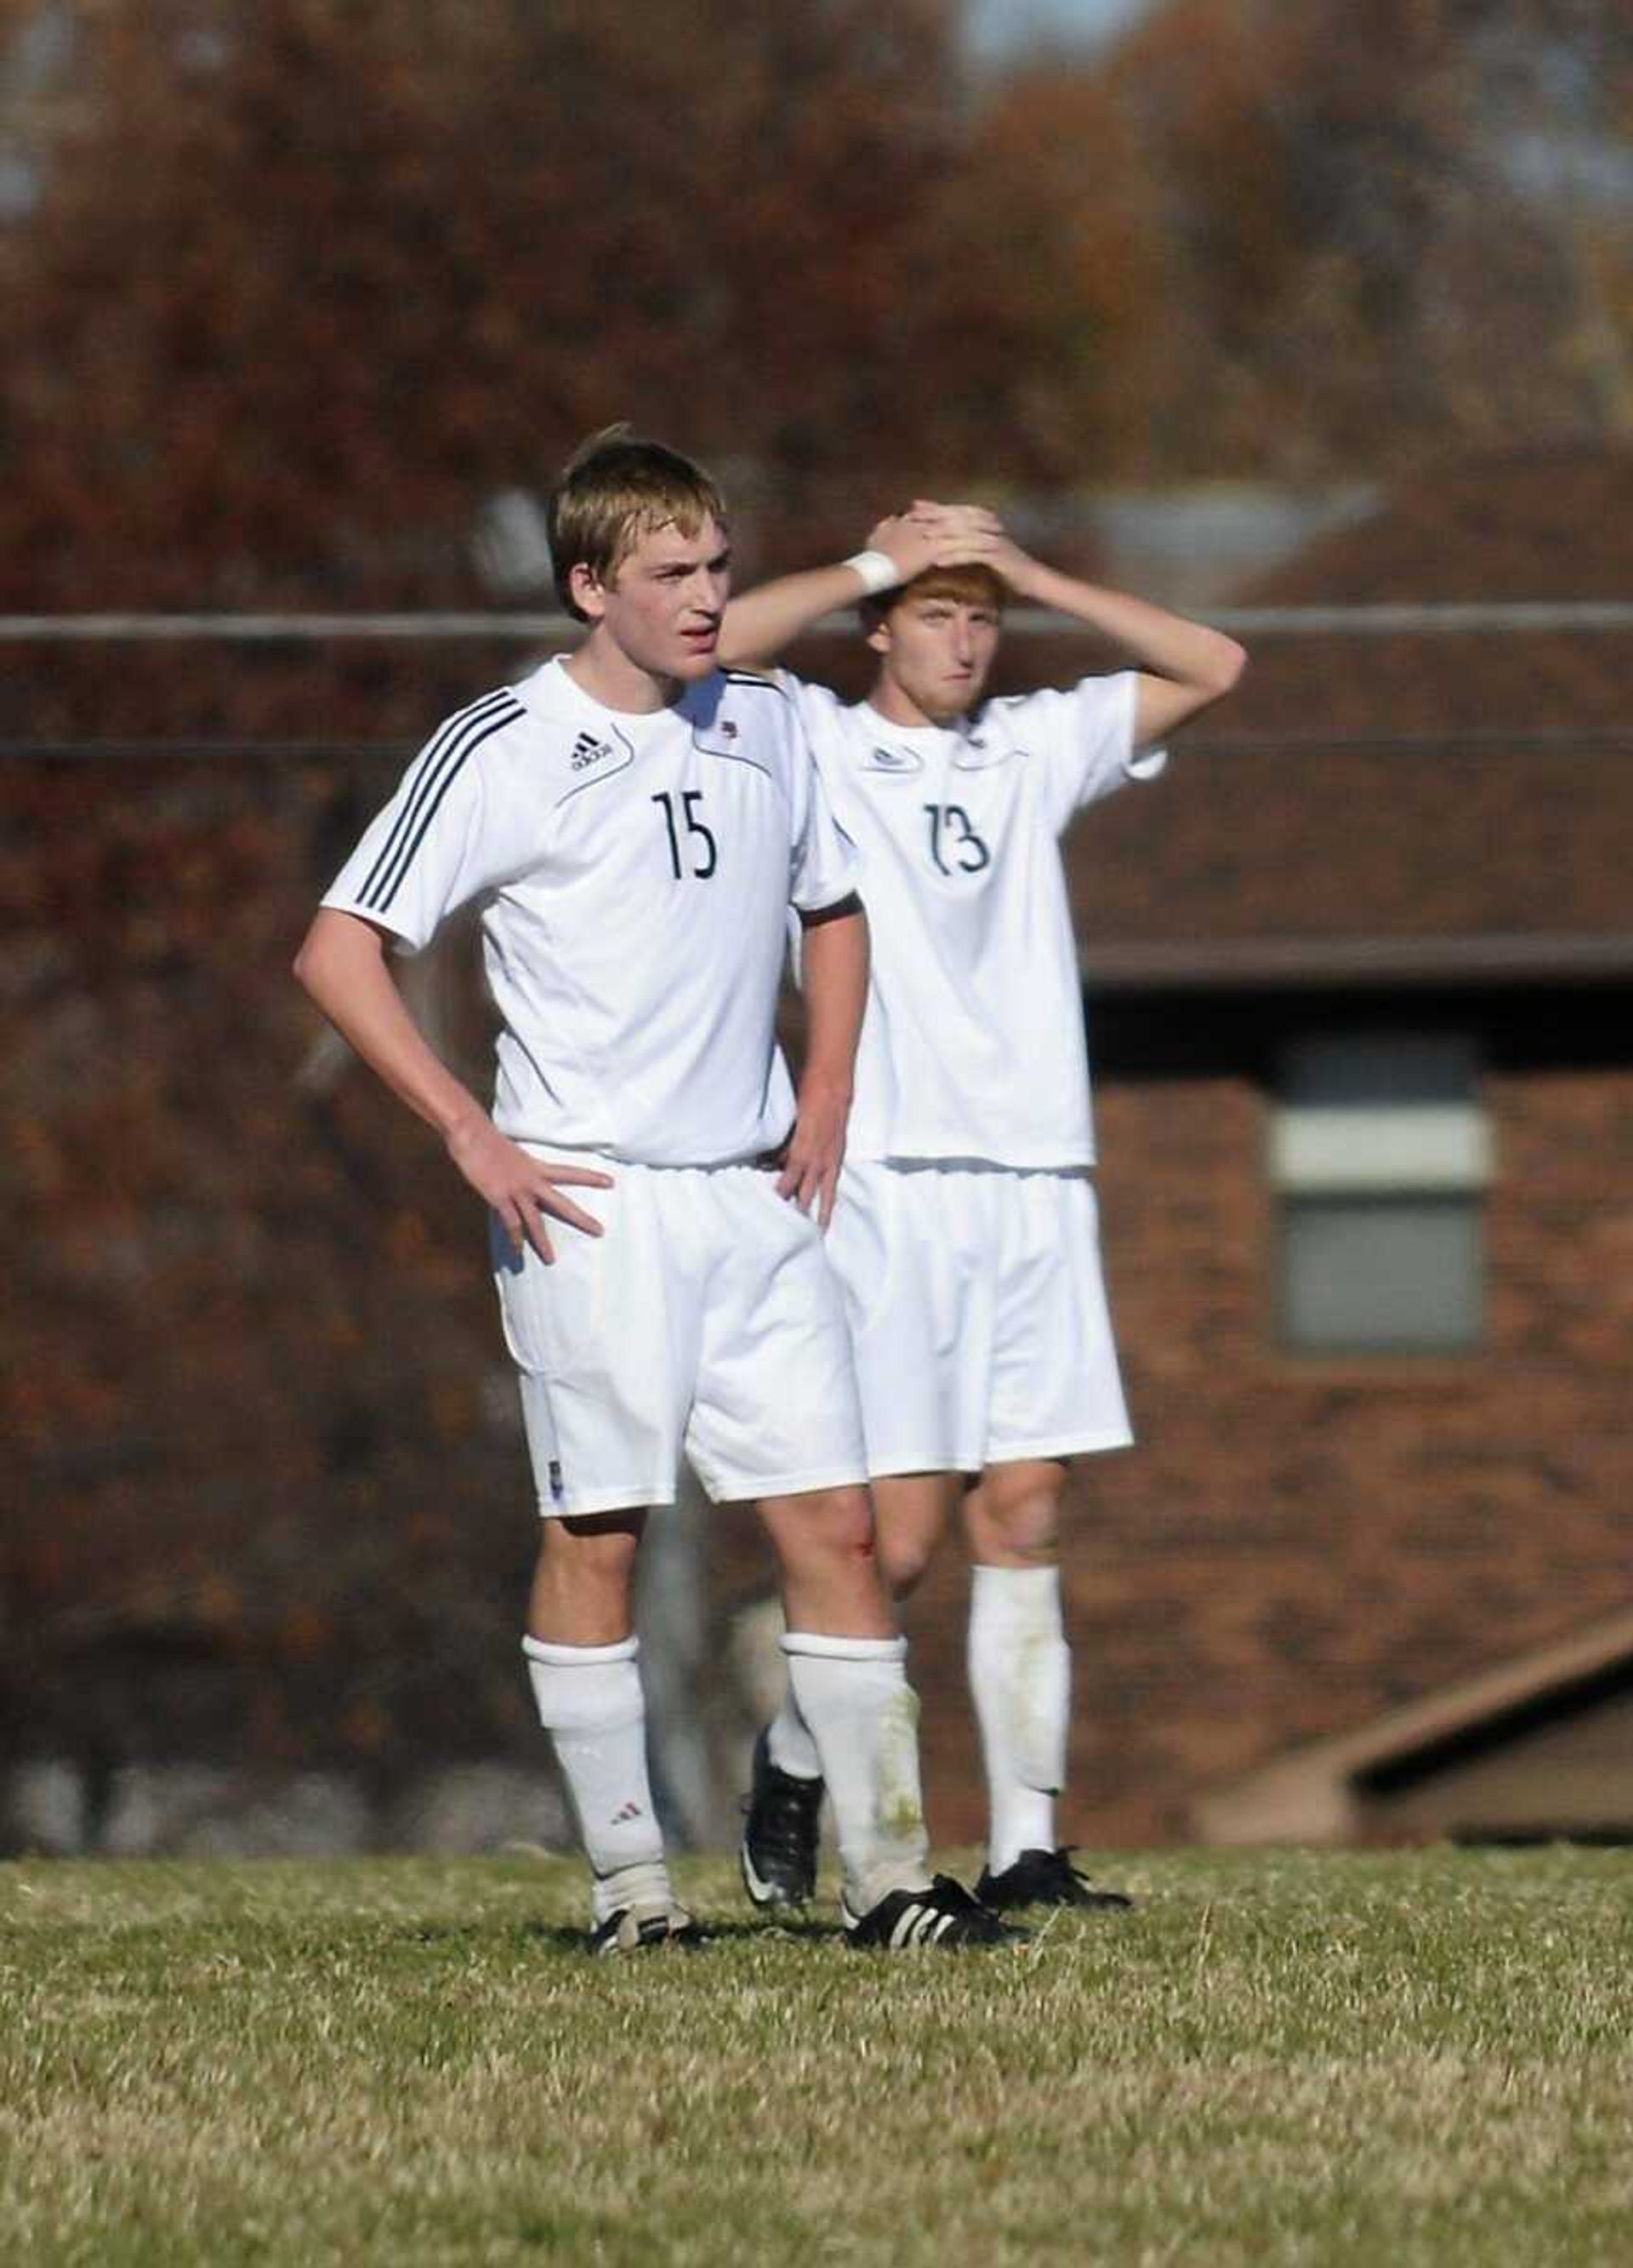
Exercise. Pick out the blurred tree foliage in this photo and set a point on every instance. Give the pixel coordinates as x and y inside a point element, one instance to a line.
<point>1385,234</point>
<point>304,283</point>
<point>308,281</point>
<point>293,289</point>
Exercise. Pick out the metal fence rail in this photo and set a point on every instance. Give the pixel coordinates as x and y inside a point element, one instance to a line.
<point>1426,619</point>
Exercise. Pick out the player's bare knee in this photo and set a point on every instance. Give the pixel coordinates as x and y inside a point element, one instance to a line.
<point>586,1567</point>
<point>1014,1518</point>
<point>1027,1551</point>
<point>903,1561</point>
<point>842,1525</point>
<point>913,1509</point>
<point>591,1540</point>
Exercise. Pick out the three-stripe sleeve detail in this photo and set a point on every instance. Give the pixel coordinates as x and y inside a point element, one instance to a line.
<point>444,758</point>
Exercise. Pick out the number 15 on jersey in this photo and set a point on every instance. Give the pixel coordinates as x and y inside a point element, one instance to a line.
<point>694,851</point>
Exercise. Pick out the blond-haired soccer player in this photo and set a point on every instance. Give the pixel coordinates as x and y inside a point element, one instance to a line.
<point>634,825</point>
<point>966,1229</point>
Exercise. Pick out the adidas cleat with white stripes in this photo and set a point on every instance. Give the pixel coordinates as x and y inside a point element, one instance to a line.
<point>636,1929</point>
<point>944,1915</point>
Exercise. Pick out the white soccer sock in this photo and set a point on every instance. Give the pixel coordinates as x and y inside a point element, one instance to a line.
<point>788,1741</point>
<point>590,1703</point>
<point>1021,1681</point>
<point>863,1716</point>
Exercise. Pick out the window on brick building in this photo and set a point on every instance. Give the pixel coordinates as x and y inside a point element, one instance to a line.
<point>1380,1155</point>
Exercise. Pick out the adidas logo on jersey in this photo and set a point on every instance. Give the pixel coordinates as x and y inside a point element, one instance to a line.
<point>587,750</point>
<point>895,760</point>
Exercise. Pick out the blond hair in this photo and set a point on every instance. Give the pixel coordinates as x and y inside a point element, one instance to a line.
<point>615,489</point>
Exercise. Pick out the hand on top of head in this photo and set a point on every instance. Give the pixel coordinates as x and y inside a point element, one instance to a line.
<point>954,519</point>
<point>929,534</point>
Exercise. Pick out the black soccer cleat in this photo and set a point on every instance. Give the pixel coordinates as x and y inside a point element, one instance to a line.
<point>635,1929</point>
<point>1046,1878</point>
<point>780,1834</point>
<point>944,1915</point>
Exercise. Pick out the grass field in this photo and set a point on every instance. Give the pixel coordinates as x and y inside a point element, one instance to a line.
<point>1401,2058</point>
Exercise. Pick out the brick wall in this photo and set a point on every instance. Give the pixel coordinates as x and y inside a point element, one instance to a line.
<point>258,1409</point>
<point>1296,1545</point>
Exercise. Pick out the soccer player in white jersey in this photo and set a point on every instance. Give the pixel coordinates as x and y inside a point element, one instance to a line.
<point>966,1229</point>
<point>634,825</point>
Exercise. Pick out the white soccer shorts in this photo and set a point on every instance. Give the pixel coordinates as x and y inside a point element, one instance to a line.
<point>704,1321</point>
<point>977,1314</point>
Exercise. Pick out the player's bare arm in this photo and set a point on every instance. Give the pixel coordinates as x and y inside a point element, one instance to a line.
<point>1183,666</point>
<point>834,979</point>
<point>760,623</point>
<point>343,964</point>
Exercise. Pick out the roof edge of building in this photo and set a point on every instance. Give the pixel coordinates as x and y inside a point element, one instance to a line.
<point>1310,1795</point>
<point>1492,957</point>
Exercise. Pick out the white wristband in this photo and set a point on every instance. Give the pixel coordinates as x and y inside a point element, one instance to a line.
<point>878,571</point>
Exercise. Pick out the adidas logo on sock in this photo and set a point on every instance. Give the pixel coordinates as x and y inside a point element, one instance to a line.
<point>625,1811</point>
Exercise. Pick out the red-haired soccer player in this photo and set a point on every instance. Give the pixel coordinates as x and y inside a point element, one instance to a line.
<point>965,1230</point>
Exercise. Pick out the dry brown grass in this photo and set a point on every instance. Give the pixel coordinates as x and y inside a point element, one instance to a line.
<point>1414,2058</point>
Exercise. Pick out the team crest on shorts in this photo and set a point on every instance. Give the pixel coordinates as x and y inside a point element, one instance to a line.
<point>558,1486</point>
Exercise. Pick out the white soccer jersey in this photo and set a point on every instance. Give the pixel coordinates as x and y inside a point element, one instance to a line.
<point>634,875</point>
<point>972,1046</point>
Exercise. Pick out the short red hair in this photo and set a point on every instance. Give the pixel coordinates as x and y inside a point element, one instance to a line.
<point>971,585</point>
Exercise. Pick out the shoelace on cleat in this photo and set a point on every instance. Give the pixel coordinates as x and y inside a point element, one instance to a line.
<point>784,1817</point>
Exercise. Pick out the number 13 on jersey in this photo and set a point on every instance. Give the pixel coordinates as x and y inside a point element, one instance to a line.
<point>951,833</point>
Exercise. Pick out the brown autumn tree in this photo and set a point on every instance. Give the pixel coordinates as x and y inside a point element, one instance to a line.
<point>1365,236</point>
<point>304,283</point>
